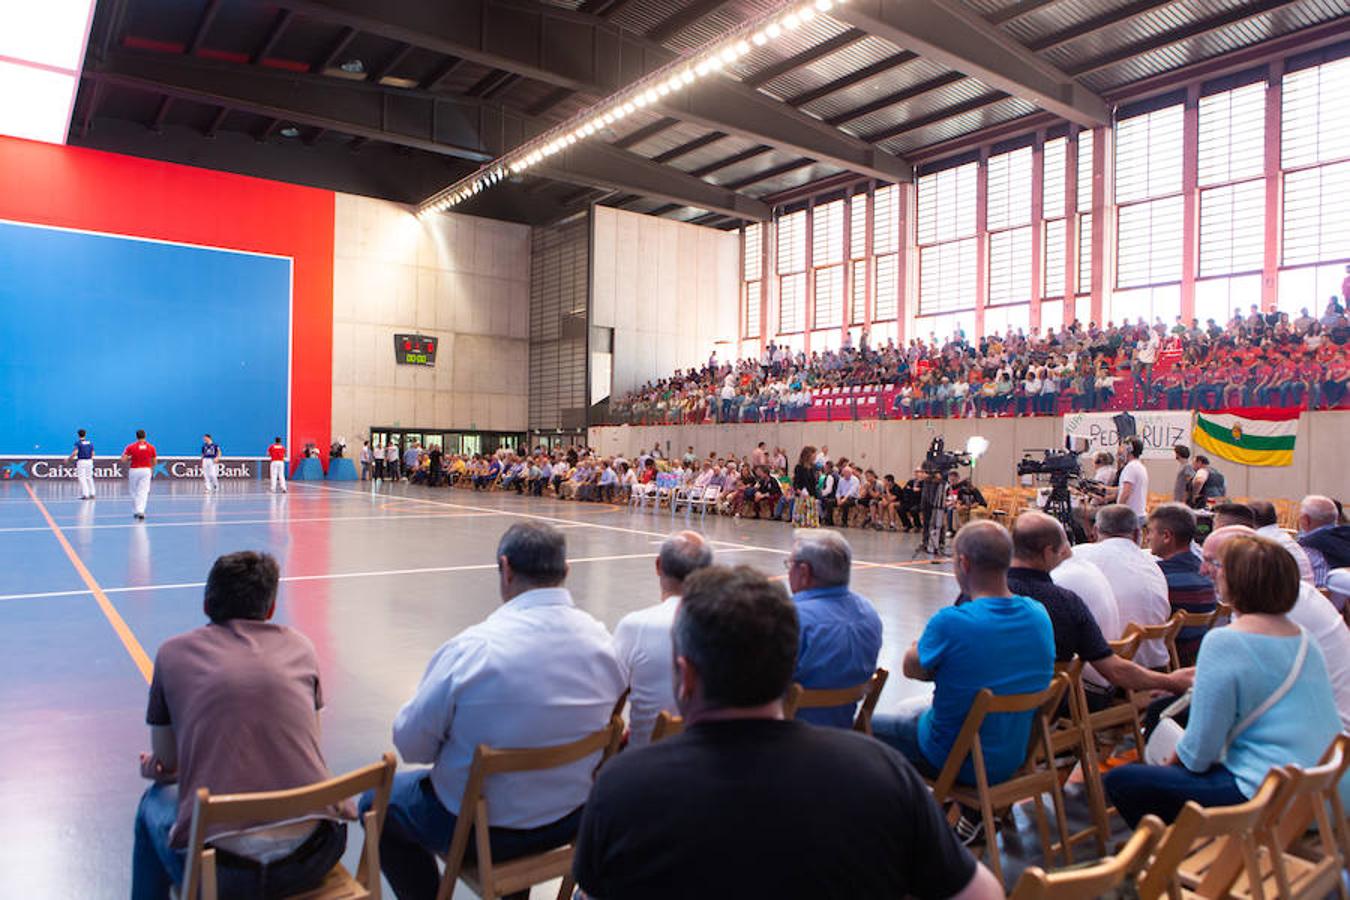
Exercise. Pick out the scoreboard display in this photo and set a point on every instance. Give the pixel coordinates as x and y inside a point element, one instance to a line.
<point>414,350</point>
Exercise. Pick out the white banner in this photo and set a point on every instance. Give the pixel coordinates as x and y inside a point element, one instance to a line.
<point>1160,431</point>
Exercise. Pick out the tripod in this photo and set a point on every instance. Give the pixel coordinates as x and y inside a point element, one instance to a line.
<point>1060,507</point>
<point>933,516</point>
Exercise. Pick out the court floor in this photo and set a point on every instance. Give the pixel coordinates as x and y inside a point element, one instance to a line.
<point>376,580</point>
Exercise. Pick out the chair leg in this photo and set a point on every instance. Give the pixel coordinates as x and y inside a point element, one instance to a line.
<point>991,847</point>
<point>1043,832</point>
<point>566,888</point>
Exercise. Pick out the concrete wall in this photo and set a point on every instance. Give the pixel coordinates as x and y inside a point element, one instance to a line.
<point>668,289</point>
<point>1319,466</point>
<point>462,279</point>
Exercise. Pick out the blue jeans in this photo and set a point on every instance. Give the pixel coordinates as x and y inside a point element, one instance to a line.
<point>902,732</point>
<point>418,827</point>
<point>156,867</point>
<point>1137,790</point>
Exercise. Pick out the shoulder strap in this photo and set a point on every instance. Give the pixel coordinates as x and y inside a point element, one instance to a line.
<point>1276,696</point>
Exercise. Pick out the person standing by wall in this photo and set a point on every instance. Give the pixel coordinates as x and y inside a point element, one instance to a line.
<point>391,460</point>
<point>277,467</point>
<point>140,456</point>
<point>210,453</point>
<point>83,455</point>
<point>365,460</point>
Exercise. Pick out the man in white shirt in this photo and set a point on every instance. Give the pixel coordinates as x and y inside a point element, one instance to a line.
<point>1267,525</point>
<point>537,672</point>
<point>1139,585</point>
<point>1087,581</point>
<point>642,638</point>
<point>1132,488</point>
<point>846,494</point>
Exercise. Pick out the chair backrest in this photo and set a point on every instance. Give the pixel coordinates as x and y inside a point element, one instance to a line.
<point>1090,882</point>
<point>1042,703</point>
<point>1127,646</point>
<point>1301,804</point>
<point>1232,824</point>
<point>666,726</point>
<point>1164,631</point>
<point>489,761</point>
<point>212,812</point>
<point>865,694</point>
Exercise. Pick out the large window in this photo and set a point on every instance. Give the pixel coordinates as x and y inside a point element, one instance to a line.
<point>792,272</point>
<point>858,253</point>
<point>1149,246</point>
<point>947,243</point>
<point>827,261</point>
<point>1315,157</point>
<point>886,248</point>
<point>752,278</point>
<point>1008,217</point>
<point>1084,143</point>
<point>1054,170</point>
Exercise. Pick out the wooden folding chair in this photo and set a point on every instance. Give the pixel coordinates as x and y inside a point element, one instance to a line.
<point>1188,620</point>
<point>1184,864</point>
<point>1306,870</point>
<point>667,726</point>
<point>1091,882</point>
<point>1035,777</point>
<point>1164,631</point>
<point>490,880</point>
<point>1074,736</point>
<point>1339,820</point>
<point>865,695</point>
<point>1123,716</point>
<point>211,813</point>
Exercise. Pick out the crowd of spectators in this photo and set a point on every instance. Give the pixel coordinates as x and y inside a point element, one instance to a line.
<point>1261,359</point>
<point>233,707</point>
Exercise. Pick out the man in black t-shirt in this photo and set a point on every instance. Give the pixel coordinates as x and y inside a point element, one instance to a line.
<point>745,804</point>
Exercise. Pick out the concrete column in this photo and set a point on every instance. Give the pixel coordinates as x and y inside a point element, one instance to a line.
<point>1270,264</point>
<point>1037,227</point>
<point>1190,199</point>
<point>981,241</point>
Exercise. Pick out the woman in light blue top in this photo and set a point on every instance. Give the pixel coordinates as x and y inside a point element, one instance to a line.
<point>1235,736</point>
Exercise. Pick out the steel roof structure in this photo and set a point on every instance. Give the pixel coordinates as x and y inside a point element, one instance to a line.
<point>401,98</point>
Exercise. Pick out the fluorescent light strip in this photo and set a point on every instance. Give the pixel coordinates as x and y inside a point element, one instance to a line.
<point>41,56</point>
<point>669,79</point>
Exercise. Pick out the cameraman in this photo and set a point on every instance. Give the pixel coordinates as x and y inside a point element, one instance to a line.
<point>1132,486</point>
<point>932,499</point>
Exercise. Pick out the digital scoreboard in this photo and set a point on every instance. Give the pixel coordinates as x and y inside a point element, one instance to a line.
<point>414,350</point>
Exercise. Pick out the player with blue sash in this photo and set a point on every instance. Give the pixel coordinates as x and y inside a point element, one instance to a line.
<point>83,455</point>
<point>210,453</point>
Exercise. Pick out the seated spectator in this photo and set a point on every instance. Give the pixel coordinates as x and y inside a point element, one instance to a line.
<point>535,673</point>
<point>1230,513</point>
<point>1322,537</point>
<point>1170,533</point>
<point>1267,525</point>
<point>1225,753</point>
<point>234,708</point>
<point>963,498</point>
<point>1138,583</point>
<point>998,641</point>
<point>840,630</point>
<point>849,817</point>
<point>846,494</point>
<point>642,638</point>
<point>1040,549</point>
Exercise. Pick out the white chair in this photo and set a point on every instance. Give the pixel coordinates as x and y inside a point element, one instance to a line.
<point>688,495</point>
<point>707,502</point>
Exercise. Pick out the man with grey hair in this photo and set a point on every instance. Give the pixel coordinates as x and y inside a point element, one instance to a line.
<point>1268,525</point>
<point>996,640</point>
<point>1326,542</point>
<point>1140,586</point>
<point>642,638</point>
<point>840,635</point>
<point>535,673</point>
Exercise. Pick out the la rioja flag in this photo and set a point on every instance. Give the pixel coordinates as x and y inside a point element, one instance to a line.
<point>1253,436</point>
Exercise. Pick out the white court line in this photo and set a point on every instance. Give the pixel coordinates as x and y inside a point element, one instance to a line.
<point>120,497</point>
<point>903,567</point>
<point>329,576</point>
<point>72,526</point>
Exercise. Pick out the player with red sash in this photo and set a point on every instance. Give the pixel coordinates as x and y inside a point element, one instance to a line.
<point>140,457</point>
<point>277,454</point>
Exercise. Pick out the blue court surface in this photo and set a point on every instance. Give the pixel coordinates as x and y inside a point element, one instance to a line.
<point>376,580</point>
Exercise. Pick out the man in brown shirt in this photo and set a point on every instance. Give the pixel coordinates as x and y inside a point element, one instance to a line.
<point>234,708</point>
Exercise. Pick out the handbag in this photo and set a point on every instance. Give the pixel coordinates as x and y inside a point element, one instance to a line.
<point>1162,743</point>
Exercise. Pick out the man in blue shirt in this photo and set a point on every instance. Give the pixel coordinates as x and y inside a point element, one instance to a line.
<point>997,641</point>
<point>840,631</point>
<point>210,453</point>
<point>83,455</point>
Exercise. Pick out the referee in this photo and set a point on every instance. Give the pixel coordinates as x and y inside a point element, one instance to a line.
<point>210,453</point>
<point>140,456</point>
<point>83,454</point>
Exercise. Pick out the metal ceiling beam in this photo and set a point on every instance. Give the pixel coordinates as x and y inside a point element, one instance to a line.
<point>758,177</point>
<point>203,26</point>
<point>584,53</point>
<point>958,38</point>
<point>857,76</point>
<point>727,161</point>
<point>645,132</point>
<point>951,112</point>
<point>1017,10</point>
<point>602,166</point>
<point>345,37</point>
<point>688,147</point>
<point>386,68</point>
<point>806,57</point>
<point>440,73</point>
<point>439,124</point>
<point>909,93</point>
<point>279,25</point>
<point>681,20</point>
<point>1097,23</point>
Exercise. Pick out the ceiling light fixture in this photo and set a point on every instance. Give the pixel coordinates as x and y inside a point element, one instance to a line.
<point>662,83</point>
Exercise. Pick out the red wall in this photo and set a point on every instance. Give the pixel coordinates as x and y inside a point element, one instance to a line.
<point>72,187</point>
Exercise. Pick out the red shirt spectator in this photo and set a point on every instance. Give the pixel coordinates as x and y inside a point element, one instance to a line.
<point>142,454</point>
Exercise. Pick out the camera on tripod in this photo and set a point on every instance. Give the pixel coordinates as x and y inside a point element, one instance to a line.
<point>1052,462</point>
<point>940,460</point>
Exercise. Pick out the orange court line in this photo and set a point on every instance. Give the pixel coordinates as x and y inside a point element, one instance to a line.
<point>119,625</point>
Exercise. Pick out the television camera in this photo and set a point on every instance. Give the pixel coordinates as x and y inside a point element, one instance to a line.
<point>1061,467</point>
<point>937,462</point>
<point>938,459</point>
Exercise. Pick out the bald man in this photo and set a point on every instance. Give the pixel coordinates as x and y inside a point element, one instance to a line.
<point>1326,542</point>
<point>1312,611</point>
<point>642,638</point>
<point>996,640</point>
<point>1039,547</point>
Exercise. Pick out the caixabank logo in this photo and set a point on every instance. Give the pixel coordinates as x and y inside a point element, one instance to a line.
<point>59,469</point>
